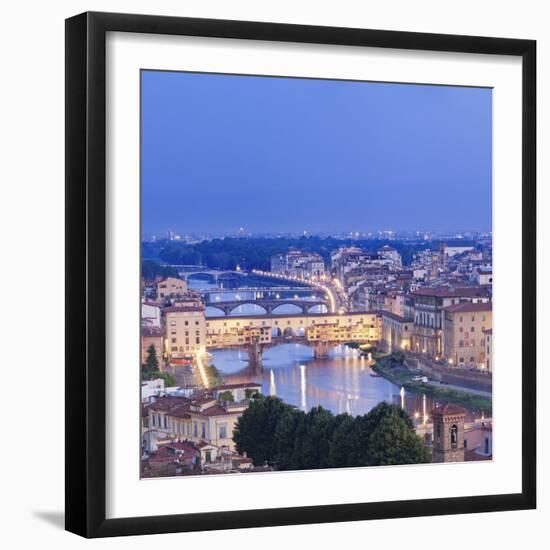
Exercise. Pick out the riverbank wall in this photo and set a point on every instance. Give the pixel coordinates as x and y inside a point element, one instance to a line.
<point>456,377</point>
<point>401,375</point>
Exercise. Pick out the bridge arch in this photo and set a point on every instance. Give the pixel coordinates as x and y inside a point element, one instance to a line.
<point>276,332</point>
<point>288,332</point>
<point>209,310</point>
<point>296,308</point>
<point>200,276</point>
<point>317,308</point>
<point>259,309</point>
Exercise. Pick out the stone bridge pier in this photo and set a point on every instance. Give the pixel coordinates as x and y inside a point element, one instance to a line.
<point>322,349</point>
<point>255,356</point>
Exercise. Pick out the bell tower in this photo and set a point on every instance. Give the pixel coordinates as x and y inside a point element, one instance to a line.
<point>448,433</point>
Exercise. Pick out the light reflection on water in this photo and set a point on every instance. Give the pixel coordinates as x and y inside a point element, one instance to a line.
<point>341,383</point>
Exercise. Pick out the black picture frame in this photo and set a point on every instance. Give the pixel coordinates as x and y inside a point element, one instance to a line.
<point>86,279</point>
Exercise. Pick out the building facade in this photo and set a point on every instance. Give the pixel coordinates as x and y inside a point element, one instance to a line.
<point>171,287</point>
<point>464,333</point>
<point>428,305</point>
<point>396,332</point>
<point>185,330</point>
<point>295,263</point>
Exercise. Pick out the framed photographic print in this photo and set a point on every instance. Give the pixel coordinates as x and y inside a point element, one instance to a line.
<point>282,243</point>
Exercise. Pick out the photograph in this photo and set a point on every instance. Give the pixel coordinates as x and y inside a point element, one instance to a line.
<point>316,274</point>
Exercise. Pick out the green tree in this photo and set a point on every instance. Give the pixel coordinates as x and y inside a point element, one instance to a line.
<point>346,448</point>
<point>393,442</point>
<point>226,395</point>
<point>255,430</point>
<point>285,440</point>
<point>169,379</point>
<point>251,393</point>
<point>315,431</point>
<point>151,362</point>
<point>151,365</point>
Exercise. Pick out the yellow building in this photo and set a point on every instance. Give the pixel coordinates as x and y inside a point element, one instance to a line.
<point>315,327</point>
<point>396,332</point>
<point>489,350</point>
<point>171,287</point>
<point>237,334</point>
<point>196,420</point>
<point>464,333</point>
<point>185,330</point>
<point>151,335</point>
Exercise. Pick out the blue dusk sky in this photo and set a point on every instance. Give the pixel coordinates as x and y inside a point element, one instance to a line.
<point>287,155</point>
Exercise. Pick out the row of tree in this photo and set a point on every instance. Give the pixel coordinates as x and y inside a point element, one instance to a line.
<point>256,252</point>
<point>273,432</point>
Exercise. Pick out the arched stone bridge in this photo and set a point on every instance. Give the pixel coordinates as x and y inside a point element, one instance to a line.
<point>197,272</point>
<point>269,306</point>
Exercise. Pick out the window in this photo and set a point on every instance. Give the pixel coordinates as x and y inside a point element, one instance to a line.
<point>203,430</point>
<point>454,436</point>
<point>173,340</point>
<point>472,329</point>
<point>223,431</point>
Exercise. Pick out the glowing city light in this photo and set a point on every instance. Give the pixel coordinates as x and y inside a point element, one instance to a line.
<point>303,402</point>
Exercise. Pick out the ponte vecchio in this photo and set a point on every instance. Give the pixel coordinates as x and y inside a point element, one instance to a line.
<point>321,331</point>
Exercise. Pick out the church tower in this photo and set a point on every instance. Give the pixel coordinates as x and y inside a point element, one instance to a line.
<point>442,256</point>
<point>448,433</point>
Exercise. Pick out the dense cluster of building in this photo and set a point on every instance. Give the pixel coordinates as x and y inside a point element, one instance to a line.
<point>192,433</point>
<point>438,308</point>
<point>295,263</point>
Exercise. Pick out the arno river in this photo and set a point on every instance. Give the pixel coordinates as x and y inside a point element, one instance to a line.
<point>343,382</point>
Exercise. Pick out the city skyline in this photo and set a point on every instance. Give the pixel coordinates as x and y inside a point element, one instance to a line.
<point>417,152</point>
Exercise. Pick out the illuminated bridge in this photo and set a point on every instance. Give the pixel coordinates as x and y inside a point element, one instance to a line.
<point>321,331</point>
<point>268,305</point>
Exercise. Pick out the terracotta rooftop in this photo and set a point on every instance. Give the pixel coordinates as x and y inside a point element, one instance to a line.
<point>469,307</point>
<point>147,330</point>
<point>183,309</point>
<point>395,317</point>
<point>453,292</point>
<point>448,408</point>
<point>216,410</point>
<point>237,386</point>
